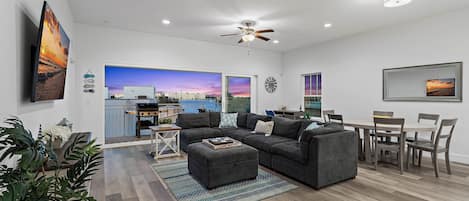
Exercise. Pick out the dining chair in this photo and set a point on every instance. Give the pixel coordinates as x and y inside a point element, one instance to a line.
<point>431,118</point>
<point>336,118</point>
<point>325,114</point>
<point>381,129</point>
<point>434,147</point>
<point>382,114</point>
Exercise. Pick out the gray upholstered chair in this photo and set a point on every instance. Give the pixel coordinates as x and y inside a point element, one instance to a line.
<point>431,118</point>
<point>388,145</point>
<point>445,132</point>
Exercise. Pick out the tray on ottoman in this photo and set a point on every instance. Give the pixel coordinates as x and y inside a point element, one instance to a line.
<point>214,168</point>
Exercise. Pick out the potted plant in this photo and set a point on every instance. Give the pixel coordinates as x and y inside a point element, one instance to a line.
<point>28,182</point>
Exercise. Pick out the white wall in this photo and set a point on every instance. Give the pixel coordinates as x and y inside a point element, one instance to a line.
<point>97,46</point>
<point>352,70</point>
<point>19,20</point>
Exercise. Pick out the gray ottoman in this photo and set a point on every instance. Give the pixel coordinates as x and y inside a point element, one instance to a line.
<point>213,168</point>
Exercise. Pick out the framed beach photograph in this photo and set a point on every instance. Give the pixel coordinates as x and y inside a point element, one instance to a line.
<point>441,87</point>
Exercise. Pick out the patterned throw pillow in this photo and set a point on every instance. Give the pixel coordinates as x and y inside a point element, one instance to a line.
<point>229,120</point>
<point>264,127</point>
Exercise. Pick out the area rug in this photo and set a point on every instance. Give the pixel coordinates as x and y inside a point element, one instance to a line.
<point>184,188</point>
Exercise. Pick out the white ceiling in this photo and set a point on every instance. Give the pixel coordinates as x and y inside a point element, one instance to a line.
<point>297,23</point>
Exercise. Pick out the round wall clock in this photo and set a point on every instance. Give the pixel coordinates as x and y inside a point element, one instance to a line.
<point>270,84</point>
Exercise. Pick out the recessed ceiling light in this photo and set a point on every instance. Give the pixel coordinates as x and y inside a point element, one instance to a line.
<point>327,25</point>
<point>165,21</point>
<point>396,3</point>
<point>276,42</point>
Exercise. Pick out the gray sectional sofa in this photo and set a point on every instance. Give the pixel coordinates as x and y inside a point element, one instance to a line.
<point>318,157</point>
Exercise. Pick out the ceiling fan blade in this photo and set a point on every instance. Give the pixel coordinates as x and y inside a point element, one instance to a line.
<point>236,34</point>
<point>265,31</point>
<point>241,41</point>
<point>241,28</point>
<point>262,38</point>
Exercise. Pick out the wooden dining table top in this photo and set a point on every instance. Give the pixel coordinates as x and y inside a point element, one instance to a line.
<point>408,126</point>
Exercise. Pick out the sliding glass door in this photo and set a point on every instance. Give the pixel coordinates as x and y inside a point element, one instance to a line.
<point>238,94</point>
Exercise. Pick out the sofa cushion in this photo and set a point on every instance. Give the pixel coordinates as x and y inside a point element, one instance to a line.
<point>197,134</point>
<point>264,143</point>
<point>325,129</point>
<point>214,119</point>
<point>253,118</point>
<point>242,119</point>
<point>290,150</point>
<point>286,127</point>
<point>193,120</point>
<point>236,133</point>
<point>304,124</point>
<point>309,134</point>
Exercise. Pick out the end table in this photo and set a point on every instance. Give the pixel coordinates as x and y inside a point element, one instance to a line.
<point>165,134</point>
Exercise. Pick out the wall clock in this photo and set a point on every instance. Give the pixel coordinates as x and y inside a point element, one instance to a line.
<point>270,84</point>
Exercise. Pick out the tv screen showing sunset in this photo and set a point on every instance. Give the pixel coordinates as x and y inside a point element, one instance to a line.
<point>441,87</point>
<point>53,59</point>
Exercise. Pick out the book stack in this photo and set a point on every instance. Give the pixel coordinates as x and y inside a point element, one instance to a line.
<point>221,143</point>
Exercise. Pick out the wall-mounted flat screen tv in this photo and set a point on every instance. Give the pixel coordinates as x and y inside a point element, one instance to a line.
<point>51,58</point>
<point>441,87</point>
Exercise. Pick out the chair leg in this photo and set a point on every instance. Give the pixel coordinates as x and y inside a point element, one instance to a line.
<point>420,158</point>
<point>414,154</point>
<point>408,155</point>
<point>401,161</point>
<point>376,158</point>
<point>435,163</point>
<point>448,166</point>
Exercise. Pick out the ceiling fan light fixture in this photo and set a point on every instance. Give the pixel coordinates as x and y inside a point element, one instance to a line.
<point>395,3</point>
<point>249,37</point>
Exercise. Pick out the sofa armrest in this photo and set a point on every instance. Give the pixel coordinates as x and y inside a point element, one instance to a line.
<point>333,158</point>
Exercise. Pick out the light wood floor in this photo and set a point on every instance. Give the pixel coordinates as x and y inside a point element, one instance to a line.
<point>127,176</point>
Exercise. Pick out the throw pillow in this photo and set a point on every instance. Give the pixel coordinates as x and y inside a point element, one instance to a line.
<point>264,127</point>
<point>228,120</point>
<point>311,126</point>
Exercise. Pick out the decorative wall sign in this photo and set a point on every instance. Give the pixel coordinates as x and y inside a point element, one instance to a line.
<point>88,82</point>
<point>270,84</point>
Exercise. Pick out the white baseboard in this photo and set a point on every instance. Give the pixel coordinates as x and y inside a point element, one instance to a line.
<point>126,144</point>
<point>460,158</point>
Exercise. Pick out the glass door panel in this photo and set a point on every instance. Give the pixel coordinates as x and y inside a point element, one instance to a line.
<point>238,94</point>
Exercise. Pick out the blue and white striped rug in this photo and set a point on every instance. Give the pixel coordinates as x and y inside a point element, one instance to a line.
<point>185,188</point>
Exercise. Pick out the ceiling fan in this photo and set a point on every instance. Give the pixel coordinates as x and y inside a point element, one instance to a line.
<point>248,33</point>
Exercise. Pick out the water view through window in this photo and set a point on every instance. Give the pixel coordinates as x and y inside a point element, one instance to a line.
<point>193,91</point>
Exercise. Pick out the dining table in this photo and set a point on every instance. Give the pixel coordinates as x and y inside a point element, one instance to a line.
<point>369,125</point>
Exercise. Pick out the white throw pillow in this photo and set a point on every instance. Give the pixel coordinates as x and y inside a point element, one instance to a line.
<point>264,127</point>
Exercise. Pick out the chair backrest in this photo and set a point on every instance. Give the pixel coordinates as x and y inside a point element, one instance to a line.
<point>382,126</point>
<point>270,113</point>
<point>325,114</point>
<point>336,118</point>
<point>442,131</point>
<point>429,117</point>
<point>386,114</point>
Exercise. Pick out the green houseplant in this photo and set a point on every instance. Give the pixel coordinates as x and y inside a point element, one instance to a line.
<point>28,182</point>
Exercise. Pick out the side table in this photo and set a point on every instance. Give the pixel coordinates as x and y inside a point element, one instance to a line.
<point>165,134</point>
